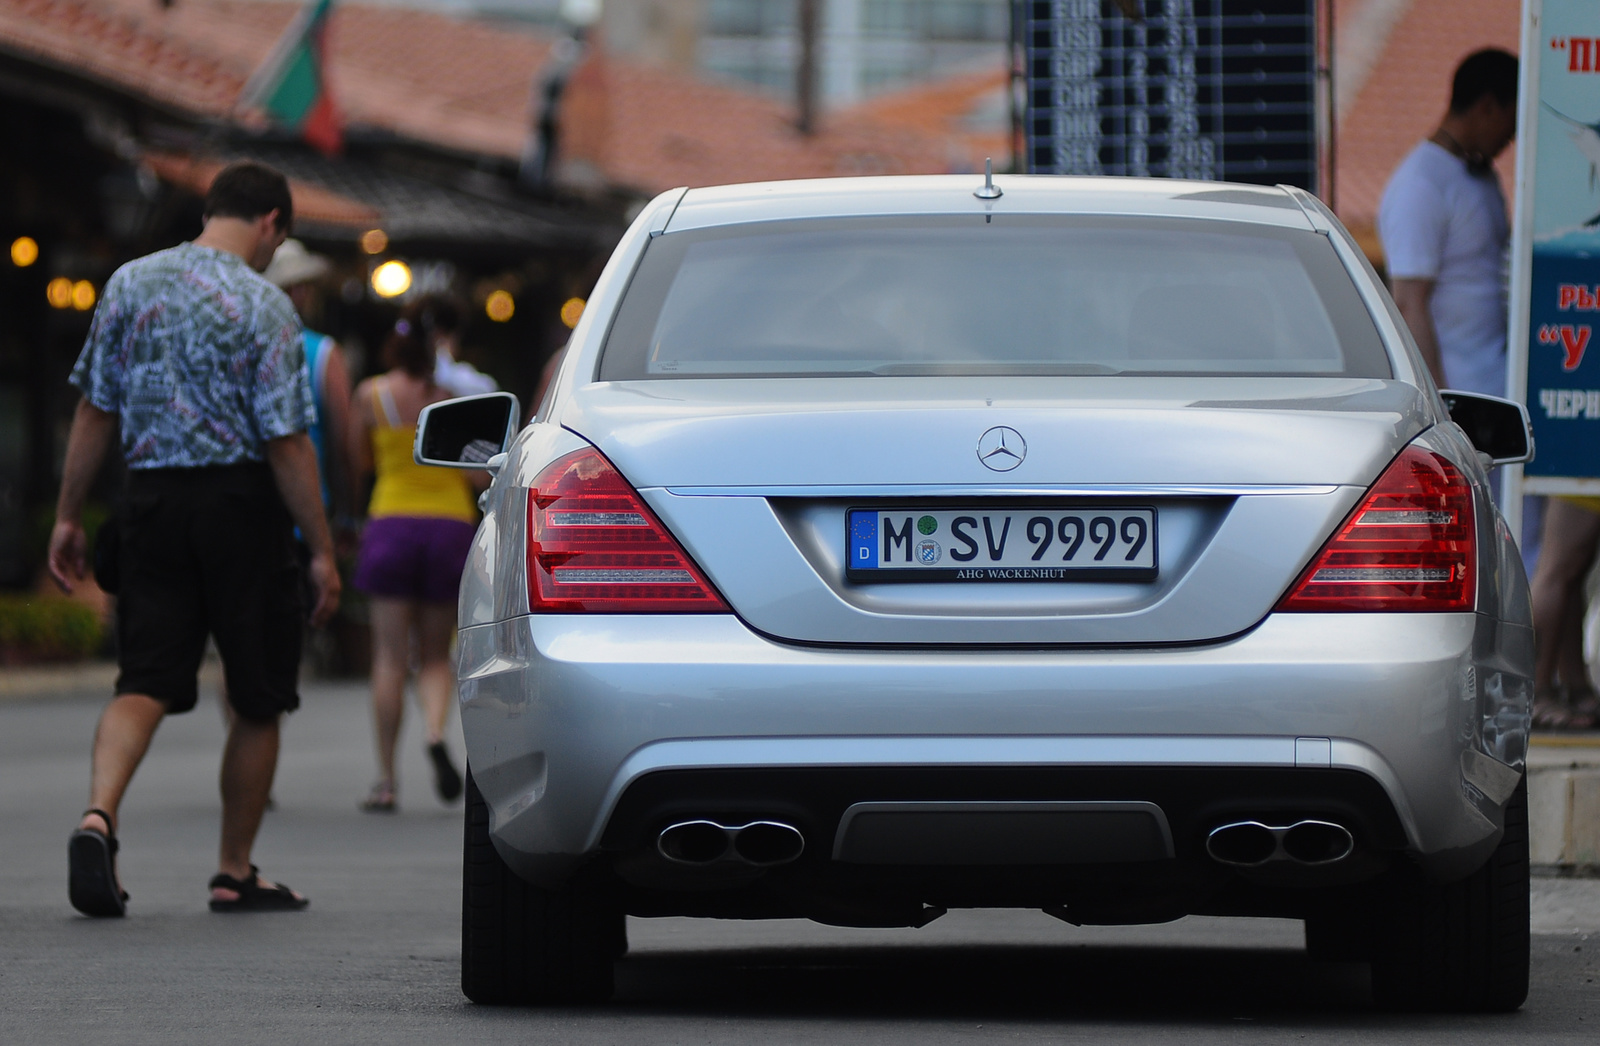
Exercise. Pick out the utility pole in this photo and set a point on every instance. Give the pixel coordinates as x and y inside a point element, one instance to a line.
<point>806,72</point>
<point>1327,111</point>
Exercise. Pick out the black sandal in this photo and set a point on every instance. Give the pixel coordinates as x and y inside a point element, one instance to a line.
<point>92,871</point>
<point>446,778</point>
<point>253,897</point>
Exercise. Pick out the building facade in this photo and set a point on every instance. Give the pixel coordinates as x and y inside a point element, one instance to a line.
<point>866,47</point>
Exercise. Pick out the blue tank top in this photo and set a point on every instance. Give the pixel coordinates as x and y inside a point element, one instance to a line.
<point>316,352</point>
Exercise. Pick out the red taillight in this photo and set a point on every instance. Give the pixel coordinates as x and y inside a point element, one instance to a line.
<point>1409,545</point>
<point>593,545</point>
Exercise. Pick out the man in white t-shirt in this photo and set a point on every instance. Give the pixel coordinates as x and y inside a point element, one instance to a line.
<point>1444,230</point>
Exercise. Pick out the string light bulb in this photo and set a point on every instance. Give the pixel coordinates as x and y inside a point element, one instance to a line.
<point>500,306</point>
<point>391,279</point>
<point>24,251</point>
<point>58,292</point>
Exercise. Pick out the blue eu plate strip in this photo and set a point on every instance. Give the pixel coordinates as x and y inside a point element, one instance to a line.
<point>863,540</point>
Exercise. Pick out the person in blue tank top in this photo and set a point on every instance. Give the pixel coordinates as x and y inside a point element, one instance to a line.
<point>298,271</point>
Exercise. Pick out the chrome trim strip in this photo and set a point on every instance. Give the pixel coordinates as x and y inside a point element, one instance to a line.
<point>991,490</point>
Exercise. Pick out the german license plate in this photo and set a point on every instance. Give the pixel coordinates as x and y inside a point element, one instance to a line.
<point>1083,543</point>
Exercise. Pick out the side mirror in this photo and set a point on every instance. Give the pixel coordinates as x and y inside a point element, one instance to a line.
<point>465,433</point>
<point>1499,428</point>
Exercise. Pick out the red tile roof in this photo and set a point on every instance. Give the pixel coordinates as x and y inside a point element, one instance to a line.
<point>968,112</point>
<point>652,129</point>
<point>455,82</point>
<point>467,85</point>
<point>98,39</point>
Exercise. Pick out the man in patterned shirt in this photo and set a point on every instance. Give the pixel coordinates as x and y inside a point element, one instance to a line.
<point>194,363</point>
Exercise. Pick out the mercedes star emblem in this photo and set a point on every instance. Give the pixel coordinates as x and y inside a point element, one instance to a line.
<point>1002,448</point>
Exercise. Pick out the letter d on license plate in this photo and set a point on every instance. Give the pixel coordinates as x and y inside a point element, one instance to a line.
<point>1030,543</point>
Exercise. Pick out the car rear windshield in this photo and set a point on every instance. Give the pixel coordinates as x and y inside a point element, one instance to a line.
<point>1013,295</point>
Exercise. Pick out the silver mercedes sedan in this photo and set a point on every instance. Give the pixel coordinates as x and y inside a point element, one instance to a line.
<point>892,545</point>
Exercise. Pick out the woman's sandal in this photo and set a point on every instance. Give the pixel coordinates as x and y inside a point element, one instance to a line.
<point>253,897</point>
<point>1583,709</point>
<point>1572,710</point>
<point>1548,714</point>
<point>92,871</point>
<point>380,800</point>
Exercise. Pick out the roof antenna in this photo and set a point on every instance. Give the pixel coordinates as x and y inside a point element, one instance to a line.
<point>990,190</point>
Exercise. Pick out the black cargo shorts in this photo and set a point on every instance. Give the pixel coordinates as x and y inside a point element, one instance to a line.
<point>209,551</point>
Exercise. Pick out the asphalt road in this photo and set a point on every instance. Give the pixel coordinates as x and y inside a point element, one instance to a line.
<point>374,959</point>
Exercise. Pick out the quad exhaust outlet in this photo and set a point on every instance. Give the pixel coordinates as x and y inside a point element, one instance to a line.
<point>763,844</point>
<point>1250,844</point>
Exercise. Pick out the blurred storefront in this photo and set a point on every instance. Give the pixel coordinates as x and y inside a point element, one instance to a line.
<point>114,120</point>
<point>501,161</point>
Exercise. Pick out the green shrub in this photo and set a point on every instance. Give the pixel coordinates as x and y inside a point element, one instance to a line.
<point>33,628</point>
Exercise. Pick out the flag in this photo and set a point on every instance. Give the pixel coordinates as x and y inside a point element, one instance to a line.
<point>291,86</point>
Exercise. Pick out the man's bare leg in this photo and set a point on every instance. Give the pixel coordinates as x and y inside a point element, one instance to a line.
<point>249,761</point>
<point>120,741</point>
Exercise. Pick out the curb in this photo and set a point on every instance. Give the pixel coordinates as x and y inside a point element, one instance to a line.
<point>1564,803</point>
<point>1566,871</point>
<point>1588,739</point>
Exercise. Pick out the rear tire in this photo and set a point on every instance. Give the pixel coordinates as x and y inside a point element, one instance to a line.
<point>1462,946</point>
<point>523,945</point>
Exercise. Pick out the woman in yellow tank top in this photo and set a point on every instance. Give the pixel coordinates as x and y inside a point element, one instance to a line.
<point>419,530</point>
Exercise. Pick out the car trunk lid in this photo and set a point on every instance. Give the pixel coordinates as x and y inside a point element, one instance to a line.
<point>1241,478</point>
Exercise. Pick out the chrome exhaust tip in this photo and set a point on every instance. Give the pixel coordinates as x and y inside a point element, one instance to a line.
<point>1243,844</point>
<point>1317,842</point>
<point>762,844</point>
<point>694,842</point>
<point>1250,844</point>
<point>768,843</point>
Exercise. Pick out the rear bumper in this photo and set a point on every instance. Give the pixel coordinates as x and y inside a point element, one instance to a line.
<point>567,718</point>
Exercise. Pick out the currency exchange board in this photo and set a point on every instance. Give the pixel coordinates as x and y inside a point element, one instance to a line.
<point>1213,89</point>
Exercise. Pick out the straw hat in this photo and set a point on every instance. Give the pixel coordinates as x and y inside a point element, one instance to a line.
<point>293,264</point>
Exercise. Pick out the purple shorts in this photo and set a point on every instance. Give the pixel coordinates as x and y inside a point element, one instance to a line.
<point>412,557</point>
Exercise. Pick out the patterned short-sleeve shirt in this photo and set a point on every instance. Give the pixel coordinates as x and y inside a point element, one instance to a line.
<point>200,358</point>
